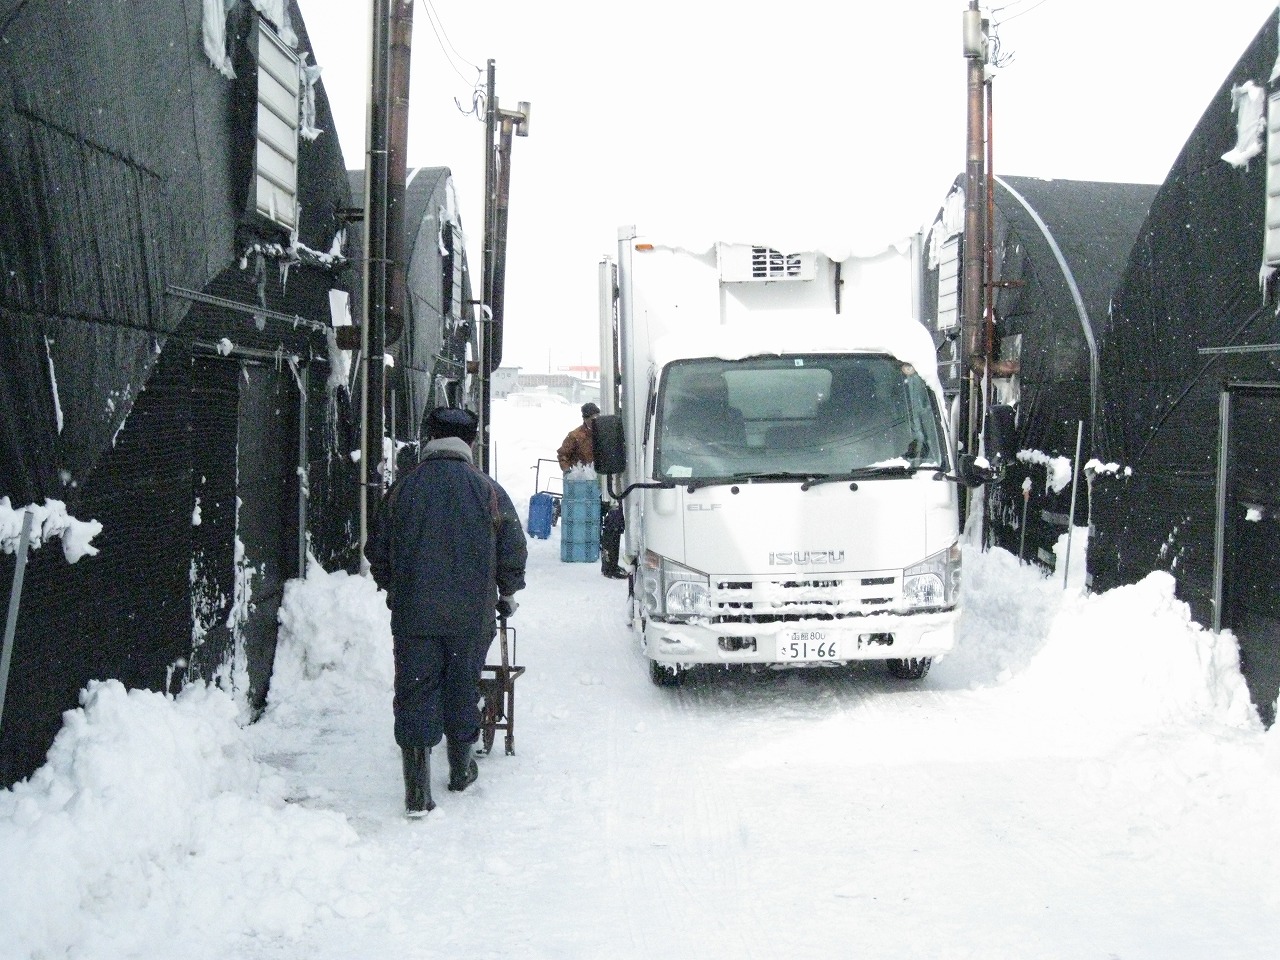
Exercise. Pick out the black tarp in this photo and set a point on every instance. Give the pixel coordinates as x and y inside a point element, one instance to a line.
<point>123,163</point>
<point>430,357</point>
<point>1059,249</point>
<point>1193,283</point>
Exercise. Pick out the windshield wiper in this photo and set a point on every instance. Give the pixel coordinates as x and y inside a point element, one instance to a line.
<point>888,470</point>
<point>747,476</point>
<point>811,479</point>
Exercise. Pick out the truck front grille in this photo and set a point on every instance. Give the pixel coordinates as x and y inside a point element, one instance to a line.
<point>773,601</point>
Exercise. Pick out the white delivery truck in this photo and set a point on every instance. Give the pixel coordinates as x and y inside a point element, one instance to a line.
<point>775,429</point>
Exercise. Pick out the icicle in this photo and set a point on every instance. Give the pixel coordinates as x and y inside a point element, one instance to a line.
<point>308,74</point>
<point>1248,104</point>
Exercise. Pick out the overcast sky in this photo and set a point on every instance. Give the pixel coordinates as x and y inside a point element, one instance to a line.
<point>679,115</point>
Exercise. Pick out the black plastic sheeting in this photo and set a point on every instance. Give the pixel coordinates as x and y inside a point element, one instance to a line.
<point>124,165</point>
<point>1060,248</point>
<point>1192,282</point>
<point>430,358</point>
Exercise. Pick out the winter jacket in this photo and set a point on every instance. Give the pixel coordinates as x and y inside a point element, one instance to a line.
<point>576,448</point>
<point>446,543</point>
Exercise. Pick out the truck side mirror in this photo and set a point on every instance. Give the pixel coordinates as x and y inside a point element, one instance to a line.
<point>608,448</point>
<point>1002,433</point>
<point>970,473</point>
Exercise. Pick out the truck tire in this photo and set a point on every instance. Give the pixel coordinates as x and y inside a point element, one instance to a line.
<point>664,675</point>
<point>913,669</point>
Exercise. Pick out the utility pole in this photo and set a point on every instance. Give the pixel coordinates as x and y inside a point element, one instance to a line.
<point>973,291</point>
<point>500,125</point>
<point>386,139</point>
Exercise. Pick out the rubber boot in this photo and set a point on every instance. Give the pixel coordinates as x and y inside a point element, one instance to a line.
<point>462,766</point>
<point>417,781</point>
<point>609,566</point>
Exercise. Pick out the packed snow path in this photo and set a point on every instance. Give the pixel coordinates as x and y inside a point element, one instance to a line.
<point>794,814</point>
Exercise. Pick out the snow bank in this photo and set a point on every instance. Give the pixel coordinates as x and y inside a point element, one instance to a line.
<point>335,631</point>
<point>1129,659</point>
<point>1007,609</point>
<point>138,790</point>
<point>1132,658</point>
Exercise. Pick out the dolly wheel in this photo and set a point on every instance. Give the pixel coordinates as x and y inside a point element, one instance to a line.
<point>488,723</point>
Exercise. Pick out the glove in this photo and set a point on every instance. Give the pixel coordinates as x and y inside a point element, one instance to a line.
<point>507,606</point>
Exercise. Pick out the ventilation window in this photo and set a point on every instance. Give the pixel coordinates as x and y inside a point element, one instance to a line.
<point>740,263</point>
<point>1271,241</point>
<point>275,192</point>
<point>949,284</point>
<point>769,264</point>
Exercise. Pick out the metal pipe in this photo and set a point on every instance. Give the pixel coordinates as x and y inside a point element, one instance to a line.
<point>371,298</point>
<point>501,206</point>
<point>15,601</point>
<point>988,241</point>
<point>1026,500</point>
<point>606,288</point>
<point>1220,527</point>
<point>484,330</point>
<point>395,450</point>
<point>1071,514</point>
<point>971,266</point>
<point>237,352</point>
<point>303,376</point>
<point>223,303</point>
<point>400,43</point>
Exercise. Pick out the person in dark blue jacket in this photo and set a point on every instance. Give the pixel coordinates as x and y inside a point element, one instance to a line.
<point>448,549</point>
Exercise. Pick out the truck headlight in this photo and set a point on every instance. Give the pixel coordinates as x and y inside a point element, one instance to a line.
<point>933,583</point>
<point>672,590</point>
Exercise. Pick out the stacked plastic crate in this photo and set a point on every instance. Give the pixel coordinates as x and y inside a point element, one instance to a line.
<point>580,521</point>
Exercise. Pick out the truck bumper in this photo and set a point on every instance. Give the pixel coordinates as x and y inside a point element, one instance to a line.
<point>689,643</point>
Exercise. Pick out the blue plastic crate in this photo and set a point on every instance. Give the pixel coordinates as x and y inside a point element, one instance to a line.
<point>580,522</point>
<point>579,551</point>
<point>581,511</point>
<point>541,511</point>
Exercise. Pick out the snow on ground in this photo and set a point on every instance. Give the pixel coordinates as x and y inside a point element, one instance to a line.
<point>1082,778</point>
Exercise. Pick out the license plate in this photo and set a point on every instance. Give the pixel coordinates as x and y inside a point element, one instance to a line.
<point>808,645</point>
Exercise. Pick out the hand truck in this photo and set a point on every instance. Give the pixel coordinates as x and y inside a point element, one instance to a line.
<point>497,687</point>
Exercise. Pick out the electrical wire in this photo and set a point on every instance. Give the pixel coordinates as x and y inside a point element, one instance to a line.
<point>1014,16</point>
<point>434,14</point>
<point>442,38</point>
<point>478,96</point>
<point>996,55</point>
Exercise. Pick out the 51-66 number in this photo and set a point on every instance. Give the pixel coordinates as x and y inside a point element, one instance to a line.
<point>808,650</point>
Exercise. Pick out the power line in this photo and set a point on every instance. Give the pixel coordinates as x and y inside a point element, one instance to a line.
<point>432,12</point>
<point>1014,16</point>
<point>442,38</point>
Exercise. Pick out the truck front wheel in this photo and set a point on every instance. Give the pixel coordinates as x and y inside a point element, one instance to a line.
<point>666,675</point>
<point>912,669</point>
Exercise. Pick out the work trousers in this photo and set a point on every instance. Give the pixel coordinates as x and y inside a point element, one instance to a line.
<point>437,688</point>
<point>611,528</point>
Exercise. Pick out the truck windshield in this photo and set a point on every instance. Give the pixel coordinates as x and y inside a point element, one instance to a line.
<point>794,416</point>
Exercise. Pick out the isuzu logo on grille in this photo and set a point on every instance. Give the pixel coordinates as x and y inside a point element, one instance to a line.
<point>792,558</point>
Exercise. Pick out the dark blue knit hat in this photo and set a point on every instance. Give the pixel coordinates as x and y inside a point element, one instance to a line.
<point>452,422</point>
